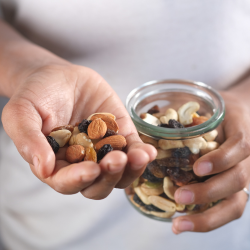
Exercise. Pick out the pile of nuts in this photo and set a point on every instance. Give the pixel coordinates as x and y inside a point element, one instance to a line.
<point>89,140</point>
<point>153,192</point>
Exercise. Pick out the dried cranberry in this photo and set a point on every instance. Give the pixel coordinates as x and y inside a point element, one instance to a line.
<point>154,109</point>
<point>153,208</point>
<point>109,133</point>
<point>150,177</point>
<point>156,170</point>
<point>137,200</point>
<point>174,124</point>
<point>103,151</point>
<point>181,152</point>
<point>83,126</point>
<point>52,142</point>
<point>173,162</point>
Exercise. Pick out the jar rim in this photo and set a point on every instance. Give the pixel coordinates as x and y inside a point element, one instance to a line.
<point>138,94</point>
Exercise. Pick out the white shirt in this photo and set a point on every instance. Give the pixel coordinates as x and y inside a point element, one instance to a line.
<point>128,43</point>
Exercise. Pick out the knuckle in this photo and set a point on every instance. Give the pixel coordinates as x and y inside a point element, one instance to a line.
<point>243,142</point>
<point>242,176</point>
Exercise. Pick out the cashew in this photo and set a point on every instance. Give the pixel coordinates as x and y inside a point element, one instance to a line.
<point>142,196</point>
<point>83,140</point>
<point>163,153</point>
<point>170,114</point>
<point>162,203</point>
<point>190,207</point>
<point>169,188</point>
<point>158,115</point>
<point>180,207</point>
<point>195,144</point>
<point>146,117</point>
<point>150,188</point>
<point>186,111</point>
<point>211,145</point>
<point>168,144</point>
<point>72,139</point>
<point>195,115</point>
<point>149,140</point>
<point>210,136</point>
<point>61,136</point>
<point>158,214</point>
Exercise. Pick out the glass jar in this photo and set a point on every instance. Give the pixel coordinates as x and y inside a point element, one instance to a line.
<point>178,148</point>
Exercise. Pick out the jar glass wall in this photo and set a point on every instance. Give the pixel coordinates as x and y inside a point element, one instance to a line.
<point>178,148</point>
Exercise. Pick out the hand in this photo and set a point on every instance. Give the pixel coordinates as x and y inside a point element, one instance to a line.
<point>231,163</point>
<point>64,94</point>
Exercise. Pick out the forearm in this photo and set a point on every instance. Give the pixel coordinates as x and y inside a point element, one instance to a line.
<point>18,58</point>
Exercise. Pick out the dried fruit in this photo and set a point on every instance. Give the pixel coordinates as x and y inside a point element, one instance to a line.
<point>154,109</point>
<point>118,142</point>
<point>68,127</point>
<point>109,133</point>
<point>75,153</point>
<point>52,142</point>
<point>153,208</point>
<point>97,129</point>
<point>150,177</point>
<point>103,151</point>
<point>179,176</point>
<point>174,124</point>
<point>164,125</point>
<point>137,200</point>
<point>156,170</point>
<point>173,162</point>
<point>181,152</point>
<point>83,126</point>
<point>90,155</point>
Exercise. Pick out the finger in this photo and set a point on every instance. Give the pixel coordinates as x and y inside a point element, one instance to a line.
<point>71,179</point>
<point>216,187</point>
<point>234,150</point>
<point>137,161</point>
<point>112,168</point>
<point>23,124</point>
<point>227,210</point>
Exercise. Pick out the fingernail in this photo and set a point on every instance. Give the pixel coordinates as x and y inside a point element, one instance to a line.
<point>184,225</point>
<point>114,169</point>
<point>185,197</point>
<point>204,168</point>
<point>36,163</point>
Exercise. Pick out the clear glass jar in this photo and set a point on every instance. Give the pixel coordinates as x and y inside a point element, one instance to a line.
<point>153,193</point>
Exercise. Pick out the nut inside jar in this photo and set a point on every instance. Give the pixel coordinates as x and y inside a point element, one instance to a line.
<point>153,192</point>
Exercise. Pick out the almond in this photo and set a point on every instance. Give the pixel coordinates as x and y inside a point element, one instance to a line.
<point>97,129</point>
<point>99,115</point>
<point>110,122</point>
<point>118,142</point>
<point>75,153</point>
<point>90,155</point>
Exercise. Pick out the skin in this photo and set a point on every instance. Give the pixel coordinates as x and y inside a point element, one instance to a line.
<point>47,91</point>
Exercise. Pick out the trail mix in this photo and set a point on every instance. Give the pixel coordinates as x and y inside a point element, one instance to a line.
<point>153,192</point>
<point>89,140</point>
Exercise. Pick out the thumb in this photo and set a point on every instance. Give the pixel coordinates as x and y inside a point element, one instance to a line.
<point>23,124</point>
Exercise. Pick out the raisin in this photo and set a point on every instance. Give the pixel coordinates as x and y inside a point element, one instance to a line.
<point>174,124</point>
<point>137,200</point>
<point>109,133</point>
<point>52,142</point>
<point>153,208</point>
<point>150,177</point>
<point>164,125</point>
<point>154,109</point>
<point>156,170</point>
<point>180,177</point>
<point>106,148</point>
<point>181,152</point>
<point>173,162</point>
<point>83,126</point>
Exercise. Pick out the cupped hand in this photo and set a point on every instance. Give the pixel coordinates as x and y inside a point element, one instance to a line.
<point>231,165</point>
<point>62,94</point>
